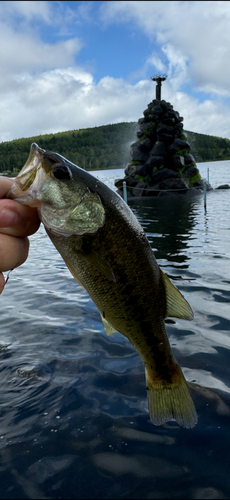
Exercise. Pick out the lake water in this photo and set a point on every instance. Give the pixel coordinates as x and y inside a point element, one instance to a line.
<point>74,421</point>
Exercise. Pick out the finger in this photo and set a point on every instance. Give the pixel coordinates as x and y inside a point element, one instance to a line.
<point>5,185</point>
<point>2,282</point>
<point>16,219</point>
<point>13,252</point>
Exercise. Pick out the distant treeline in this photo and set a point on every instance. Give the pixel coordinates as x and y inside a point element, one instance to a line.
<point>102,147</point>
<point>208,147</point>
<point>92,148</point>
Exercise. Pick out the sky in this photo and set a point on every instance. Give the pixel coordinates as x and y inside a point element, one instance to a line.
<point>70,64</point>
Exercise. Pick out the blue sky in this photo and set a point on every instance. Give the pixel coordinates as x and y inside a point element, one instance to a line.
<point>70,65</point>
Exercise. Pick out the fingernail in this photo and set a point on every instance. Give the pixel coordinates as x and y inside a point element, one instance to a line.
<point>8,218</point>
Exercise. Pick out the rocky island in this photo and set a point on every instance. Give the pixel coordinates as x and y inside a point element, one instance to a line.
<point>161,161</point>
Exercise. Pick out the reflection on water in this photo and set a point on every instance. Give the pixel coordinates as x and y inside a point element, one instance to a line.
<point>73,410</point>
<point>169,241</point>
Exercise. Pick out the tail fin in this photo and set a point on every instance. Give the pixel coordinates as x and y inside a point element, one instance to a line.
<point>171,401</point>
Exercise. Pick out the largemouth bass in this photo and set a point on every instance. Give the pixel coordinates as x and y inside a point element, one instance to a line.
<point>108,253</point>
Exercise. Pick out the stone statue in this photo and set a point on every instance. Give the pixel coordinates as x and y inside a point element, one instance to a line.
<point>158,79</point>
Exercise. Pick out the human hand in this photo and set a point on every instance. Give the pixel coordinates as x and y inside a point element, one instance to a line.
<point>16,223</point>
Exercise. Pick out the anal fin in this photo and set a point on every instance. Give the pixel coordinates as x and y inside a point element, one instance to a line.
<point>176,305</point>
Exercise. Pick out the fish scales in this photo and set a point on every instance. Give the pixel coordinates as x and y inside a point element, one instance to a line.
<point>108,253</point>
<point>131,304</point>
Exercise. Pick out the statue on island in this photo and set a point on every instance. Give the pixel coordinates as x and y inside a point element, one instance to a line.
<point>158,79</point>
<point>161,158</point>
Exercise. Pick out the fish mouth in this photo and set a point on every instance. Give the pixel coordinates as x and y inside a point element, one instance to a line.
<point>22,190</point>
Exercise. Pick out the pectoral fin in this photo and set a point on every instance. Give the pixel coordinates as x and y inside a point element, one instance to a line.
<point>176,305</point>
<point>108,328</point>
<point>100,264</point>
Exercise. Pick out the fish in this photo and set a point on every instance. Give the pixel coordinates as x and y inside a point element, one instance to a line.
<point>108,253</point>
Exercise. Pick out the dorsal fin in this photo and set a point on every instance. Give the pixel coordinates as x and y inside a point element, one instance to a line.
<point>176,305</point>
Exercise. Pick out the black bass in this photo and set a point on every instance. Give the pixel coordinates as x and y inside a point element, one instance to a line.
<point>107,251</point>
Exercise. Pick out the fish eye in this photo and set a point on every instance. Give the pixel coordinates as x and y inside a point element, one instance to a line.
<point>61,172</point>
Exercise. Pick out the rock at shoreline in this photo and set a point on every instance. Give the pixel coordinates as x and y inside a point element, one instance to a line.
<point>223,186</point>
<point>160,158</point>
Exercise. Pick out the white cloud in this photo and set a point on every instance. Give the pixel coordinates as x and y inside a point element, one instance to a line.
<point>25,10</point>
<point>66,99</point>
<point>49,12</point>
<point>198,30</point>
<point>43,90</point>
<point>21,51</point>
<point>208,117</point>
<point>155,61</point>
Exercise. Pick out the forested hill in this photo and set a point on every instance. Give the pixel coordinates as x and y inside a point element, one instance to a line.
<point>102,147</point>
<point>208,147</point>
